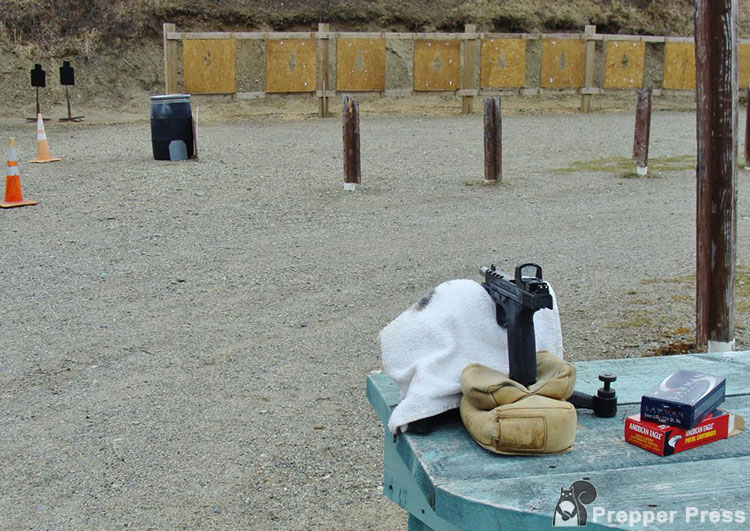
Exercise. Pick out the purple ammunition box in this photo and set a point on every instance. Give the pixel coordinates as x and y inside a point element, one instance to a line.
<point>683,399</point>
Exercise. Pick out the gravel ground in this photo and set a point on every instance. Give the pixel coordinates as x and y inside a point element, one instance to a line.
<point>185,344</point>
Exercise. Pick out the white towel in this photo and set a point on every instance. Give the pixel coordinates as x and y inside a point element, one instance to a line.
<point>426,347</point>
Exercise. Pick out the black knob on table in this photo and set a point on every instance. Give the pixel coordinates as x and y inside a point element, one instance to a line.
<point>607,391</point>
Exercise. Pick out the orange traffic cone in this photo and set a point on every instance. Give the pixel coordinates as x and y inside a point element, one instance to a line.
<point>13,195</point>
<point>43,153</point>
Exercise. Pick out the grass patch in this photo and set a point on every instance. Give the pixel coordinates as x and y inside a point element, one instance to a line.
<point>679,339</point>
<point>681,279</point>
<point>626,167</point>
<point>742,290</point>
<point>613,164</point>
<point>677,163</point>
<point>636,319</point>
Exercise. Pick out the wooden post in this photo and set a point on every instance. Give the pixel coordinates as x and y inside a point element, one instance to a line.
<point>352,170</point>
<point>170,60</point>
<point>588,66</point>
<point>323,84</point>
<point>716,95</point>
<point>642,131</point>
<point>493,140</point>
<point>467,80</point>
<point>747,130</point>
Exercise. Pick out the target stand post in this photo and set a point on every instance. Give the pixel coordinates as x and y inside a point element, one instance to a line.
<point>67,78</point>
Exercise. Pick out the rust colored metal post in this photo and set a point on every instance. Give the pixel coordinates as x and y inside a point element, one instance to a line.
<point>493,140</point>
<point>352,171</point>
<point>747,130</point>
<point>716,95</point>
<point>642,131</point>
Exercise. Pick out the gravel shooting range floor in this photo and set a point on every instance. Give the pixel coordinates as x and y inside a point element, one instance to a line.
<point>185,344</point>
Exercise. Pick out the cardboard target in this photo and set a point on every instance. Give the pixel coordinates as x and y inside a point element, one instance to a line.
<point>360,65</point>
<point>437,64</point>
<point>210,66</point>
<point>623,64</point>
<point>502,63</point>
<point>679,65</point>
<point>291,65</point>
<point>562,63</point>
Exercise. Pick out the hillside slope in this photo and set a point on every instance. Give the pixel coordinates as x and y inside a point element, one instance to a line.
<point>115,45</point>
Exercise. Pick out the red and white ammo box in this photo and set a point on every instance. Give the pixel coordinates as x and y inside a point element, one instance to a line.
<point>663,439</point>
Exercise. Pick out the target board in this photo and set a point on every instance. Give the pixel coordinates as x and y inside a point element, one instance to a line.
<point>291,65</point>
<point>744,65</point>
<point>562,63</point>
<point>360,64</point>
<point>679,65</point>
<point>502,63</point>
<point>437,64</point>
<point>209,66</point>
<point>624,62</point>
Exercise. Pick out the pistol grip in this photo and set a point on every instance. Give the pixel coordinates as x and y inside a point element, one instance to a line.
<point>522,351</point>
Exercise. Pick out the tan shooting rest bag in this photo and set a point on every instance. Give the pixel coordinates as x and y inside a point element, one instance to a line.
<point>506,417</point>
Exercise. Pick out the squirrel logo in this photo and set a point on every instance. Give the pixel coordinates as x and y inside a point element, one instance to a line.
<point>570,510</point>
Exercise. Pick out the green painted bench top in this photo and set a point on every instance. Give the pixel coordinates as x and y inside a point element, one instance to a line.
<point>446,481</point>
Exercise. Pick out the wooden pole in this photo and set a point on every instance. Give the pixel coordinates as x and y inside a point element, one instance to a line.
<point>352,170</point>
<point>324,66</point>
<point>493,140</point>
<point>170,60</point>
<point>588,66</point>
<point>716,95</point>
<point>747,130</point>
<point>642,131</point>
<point>467,80</point>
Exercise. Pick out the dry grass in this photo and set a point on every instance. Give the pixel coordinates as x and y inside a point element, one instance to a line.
<point>81,27</point>
<point>74,27</point>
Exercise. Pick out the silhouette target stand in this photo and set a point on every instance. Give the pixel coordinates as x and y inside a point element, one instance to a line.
<point>38,80</point>
<point>67,79</point>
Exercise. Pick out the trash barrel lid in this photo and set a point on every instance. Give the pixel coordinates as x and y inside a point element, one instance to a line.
<point>171,98</point>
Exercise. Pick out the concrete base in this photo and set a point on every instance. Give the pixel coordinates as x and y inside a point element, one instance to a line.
<point>350,186</point>
<point>641,171</point>
<point>720,346</point>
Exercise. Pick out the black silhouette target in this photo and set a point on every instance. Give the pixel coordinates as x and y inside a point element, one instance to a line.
<point>38,80</point>
<point>67,74</point>
<point>68,79</point>
<point>38,77</point>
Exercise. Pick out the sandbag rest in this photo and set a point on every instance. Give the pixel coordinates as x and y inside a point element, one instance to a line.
<point>506,417</point>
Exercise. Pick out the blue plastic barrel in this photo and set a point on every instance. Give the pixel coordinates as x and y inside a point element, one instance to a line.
<point>172,127</point>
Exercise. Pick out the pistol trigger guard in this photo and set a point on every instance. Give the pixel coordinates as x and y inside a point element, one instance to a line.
<point>500,316</point>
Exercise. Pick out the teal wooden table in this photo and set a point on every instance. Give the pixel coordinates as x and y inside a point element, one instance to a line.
<point>446,481</point>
